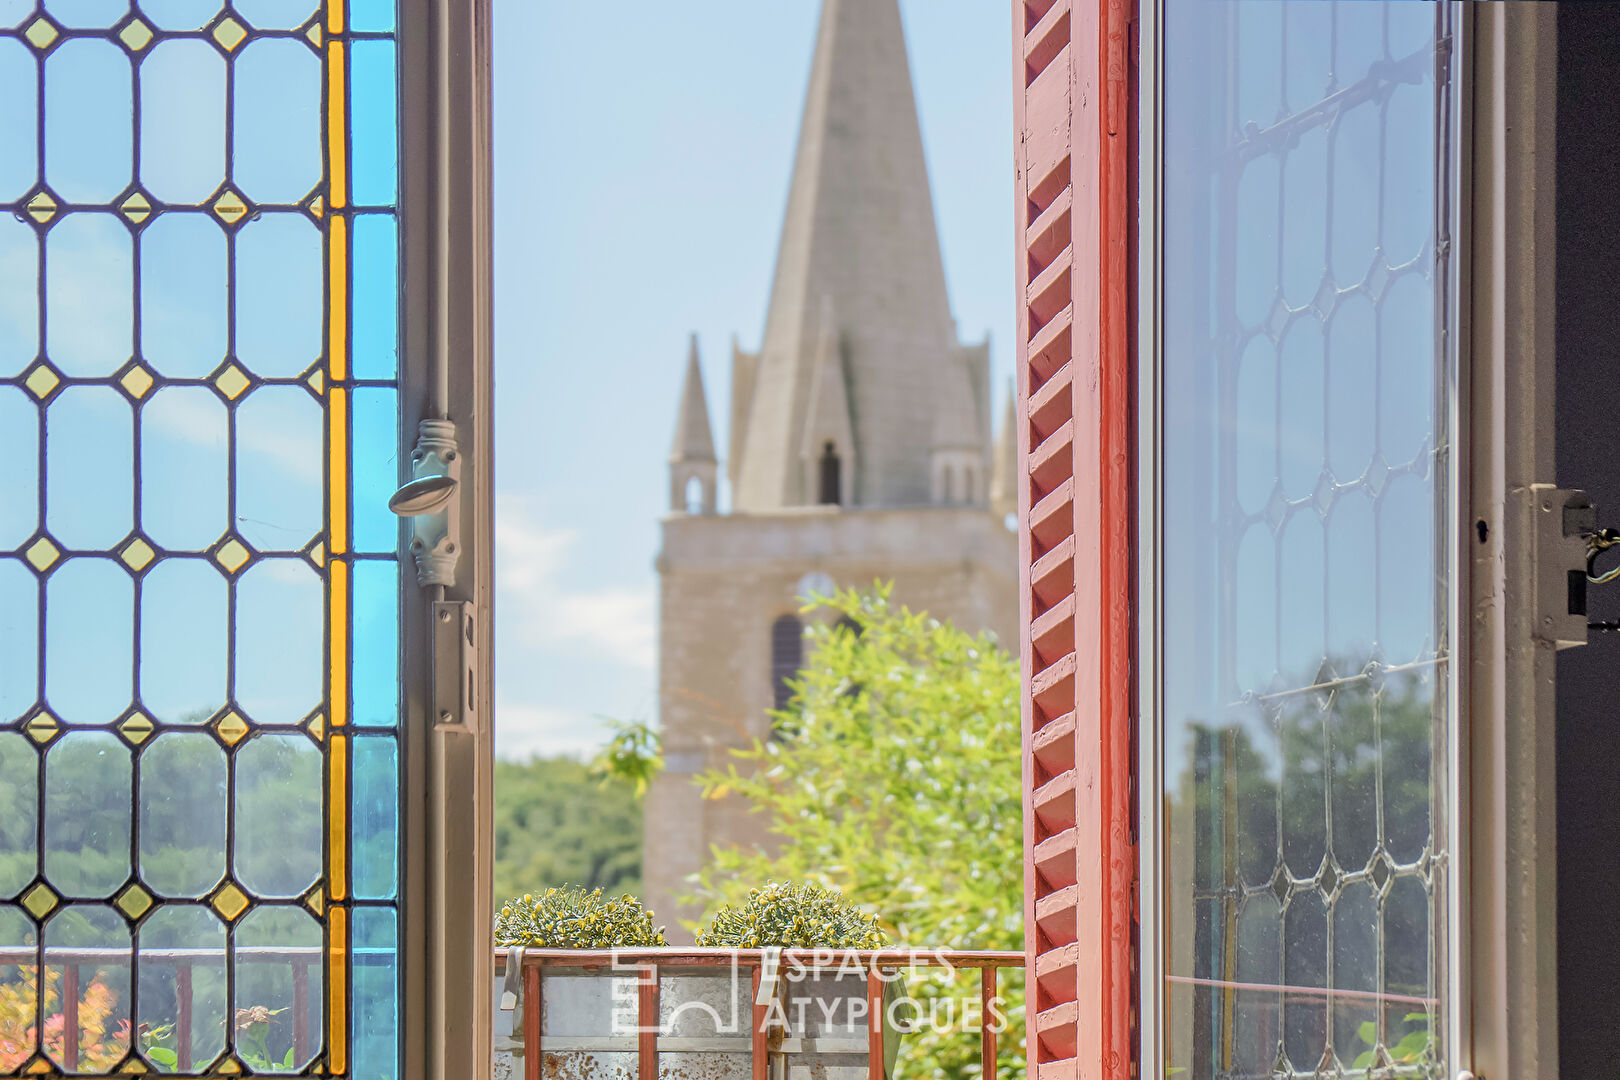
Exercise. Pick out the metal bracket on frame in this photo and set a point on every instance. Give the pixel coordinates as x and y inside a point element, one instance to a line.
<point>1561,522</point>
<point>455,666</point>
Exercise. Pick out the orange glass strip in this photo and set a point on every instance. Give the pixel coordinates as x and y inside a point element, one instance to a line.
<point>337,991</point>
<point>338,623</point>
<point>334,15</point>
<point>337,488</point>
<point>337,114</point>
<point>337,300</point>
<point>337,823</point>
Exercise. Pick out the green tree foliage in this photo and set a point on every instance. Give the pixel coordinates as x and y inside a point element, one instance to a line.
<point>558,823</point>
<point>895,779</point>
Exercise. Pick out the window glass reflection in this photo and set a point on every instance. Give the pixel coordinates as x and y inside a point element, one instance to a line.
<point>1304,636</point>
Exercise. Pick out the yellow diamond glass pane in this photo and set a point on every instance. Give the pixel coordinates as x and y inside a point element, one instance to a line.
<point>39,900</point>
<point>41,381</point>
<point>137,729</point>
<point>41,554</point>
<point>229,33</point>
<point>136,382</point>
<point>136,35</point>
<point>137,208</point>
<point>40,33</point>
<point>137,554</point>
<point>230,207</point>
<point>231,555</point>
<point>42,207</point>
<point>230,901</point>
<point>134,901</point>
<point>231,382</point>
<point>232,728</point>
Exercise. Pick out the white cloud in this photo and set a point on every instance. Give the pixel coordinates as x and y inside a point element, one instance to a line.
<point>524,730</point>
<point>538,609</point>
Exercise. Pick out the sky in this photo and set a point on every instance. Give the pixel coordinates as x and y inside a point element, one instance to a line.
<point>641,172</point>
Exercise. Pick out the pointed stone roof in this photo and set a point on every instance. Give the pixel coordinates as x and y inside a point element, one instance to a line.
<point>694,441</point>
<point>858,233</point>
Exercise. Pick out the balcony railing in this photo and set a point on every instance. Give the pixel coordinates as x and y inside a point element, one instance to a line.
<point>525,986</point>
<point>525,975</point>
<point>303,961</point>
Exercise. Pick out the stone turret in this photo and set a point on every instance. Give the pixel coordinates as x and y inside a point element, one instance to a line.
<point>858,241</point>
<point>1004,478</point>
<point>693,469</point>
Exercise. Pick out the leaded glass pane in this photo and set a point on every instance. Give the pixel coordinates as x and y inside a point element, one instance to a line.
<point>1306,539</point>
<point>199,583</point>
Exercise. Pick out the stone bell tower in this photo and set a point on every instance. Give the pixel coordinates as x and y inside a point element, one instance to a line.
<point>860,447</point>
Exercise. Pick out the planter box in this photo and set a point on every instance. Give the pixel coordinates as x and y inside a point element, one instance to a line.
<point>588,1025</point>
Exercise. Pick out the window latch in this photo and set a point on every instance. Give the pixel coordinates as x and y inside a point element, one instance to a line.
<point>1562,520</point>
<point>431,501</point>
<point>1568,548</point>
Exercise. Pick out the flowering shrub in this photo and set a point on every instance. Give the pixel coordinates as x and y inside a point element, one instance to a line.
<point>19,997</point>
<point>571,918</point>
<point>802,916</point>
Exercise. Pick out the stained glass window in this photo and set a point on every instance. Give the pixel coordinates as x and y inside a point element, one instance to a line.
<point>199,589</point>
<point>1305,638</point>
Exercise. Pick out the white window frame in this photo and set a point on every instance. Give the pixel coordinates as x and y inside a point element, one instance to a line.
<point>446,941</point>
<point>1507,952</point>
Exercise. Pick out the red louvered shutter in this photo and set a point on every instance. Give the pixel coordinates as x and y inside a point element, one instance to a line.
<point>1075,211</point>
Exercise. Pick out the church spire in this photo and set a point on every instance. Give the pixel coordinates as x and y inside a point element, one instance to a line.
<point>691,456</point>
<point>859,235</point>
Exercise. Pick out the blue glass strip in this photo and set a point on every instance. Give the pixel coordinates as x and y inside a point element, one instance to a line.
<point>371,16</point>
<point>375,418</point>
<point>373,123</point>
<point>375,1047</point>
<point>376,296</point>
<point>376,643</point>
<point>374,820</point>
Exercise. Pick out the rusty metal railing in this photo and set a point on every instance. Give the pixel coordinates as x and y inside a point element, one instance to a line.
<point>762,964</point>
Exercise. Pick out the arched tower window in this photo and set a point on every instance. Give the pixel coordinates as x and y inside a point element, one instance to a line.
<point>949,486</point>
<point>696,500</point>
<point>787,657</point>
<point>831,486</point>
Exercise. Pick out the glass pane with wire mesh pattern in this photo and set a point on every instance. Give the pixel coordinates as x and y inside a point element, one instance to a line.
<point>199,585</point>
<point>1305,473</point>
